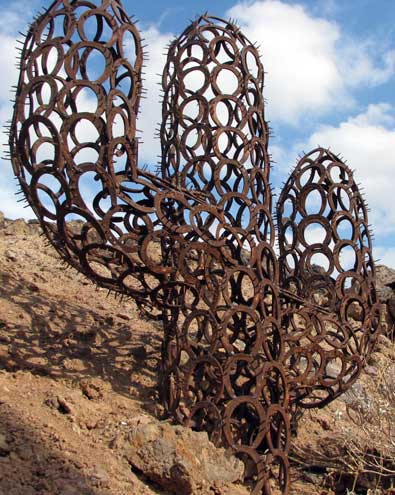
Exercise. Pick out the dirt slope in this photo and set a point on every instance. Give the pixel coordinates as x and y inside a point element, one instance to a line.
<point>78,367</point>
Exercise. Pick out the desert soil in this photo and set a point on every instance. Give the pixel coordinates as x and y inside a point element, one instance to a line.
<point>77,367</point>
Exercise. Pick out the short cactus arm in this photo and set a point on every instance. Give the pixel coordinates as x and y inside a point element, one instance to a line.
<point>331,317</point>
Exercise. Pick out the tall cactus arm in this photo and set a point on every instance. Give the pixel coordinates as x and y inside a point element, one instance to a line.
<point>222,371</point>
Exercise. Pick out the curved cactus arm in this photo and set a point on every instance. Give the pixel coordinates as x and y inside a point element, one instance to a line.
<point>327,273</point>
<point>74,149</point>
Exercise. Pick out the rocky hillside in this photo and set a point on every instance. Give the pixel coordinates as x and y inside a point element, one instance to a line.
<point>79,411</point>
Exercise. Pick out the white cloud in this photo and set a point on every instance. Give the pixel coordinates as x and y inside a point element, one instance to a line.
<point>385,255</point>
<point>13,18</point>
<point>8,62</point>
<point>17,15</point>
<point>8,186</point>
<point>151,107</point>
<point>10,205</point>
<point>358,63</point>
<point>367,142</point>
<point>312,66</point>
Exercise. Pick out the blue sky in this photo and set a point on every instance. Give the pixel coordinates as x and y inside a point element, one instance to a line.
<point>330,81</point>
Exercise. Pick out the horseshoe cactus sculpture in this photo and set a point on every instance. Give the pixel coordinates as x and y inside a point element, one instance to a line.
<point>250,336</point>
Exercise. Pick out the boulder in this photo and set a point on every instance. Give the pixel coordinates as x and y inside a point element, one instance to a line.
<point>182,461</point>
<point>17,227</point>
<point>385,278</point>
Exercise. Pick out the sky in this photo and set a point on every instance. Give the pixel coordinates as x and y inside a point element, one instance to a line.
<point>330,81</point>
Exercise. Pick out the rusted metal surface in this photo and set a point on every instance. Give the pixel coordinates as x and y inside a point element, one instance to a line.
<point>326,260</point>
<point>249,336</point>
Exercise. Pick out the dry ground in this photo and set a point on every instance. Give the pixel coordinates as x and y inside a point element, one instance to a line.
<point>77,367</point>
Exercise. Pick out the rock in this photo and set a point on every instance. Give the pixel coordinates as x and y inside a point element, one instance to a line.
<point>17,227</point>
<point>34,287</point>
<point>180,460</point>
<point>387,317</point>
<point>100,478</point>
<point>74,364</point>
<point>4,337</point>
<point>384,276</point>
<point>10,255</point>
<point>60,403</point>
<point>6,360</point>
<point>123,316</point>
<point>64,406</point>
<point>357,397</point>
<point>109,320</point>
<point>5,448</point>
<point>94,388</point>
<point>70,490</point>
<point>371,371</point>
<point>355,311</point>
<point>391,307</point>
<point>91,424</point>
<point>139,352</point>
<point>85,333</point>
<point>333,368</point>
<point>325,425</point>
<point>2,220</point>
<point>230,490</point>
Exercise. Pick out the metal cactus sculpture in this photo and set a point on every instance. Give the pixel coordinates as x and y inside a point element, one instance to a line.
<point>250,337</point>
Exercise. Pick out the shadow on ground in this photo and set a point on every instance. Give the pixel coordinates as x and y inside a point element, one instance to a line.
<point>64,338</point>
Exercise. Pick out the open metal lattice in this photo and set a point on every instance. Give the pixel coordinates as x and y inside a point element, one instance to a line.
<point>250,335</point>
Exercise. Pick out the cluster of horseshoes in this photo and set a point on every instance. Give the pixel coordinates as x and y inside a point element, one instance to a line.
<point>252,332</point>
